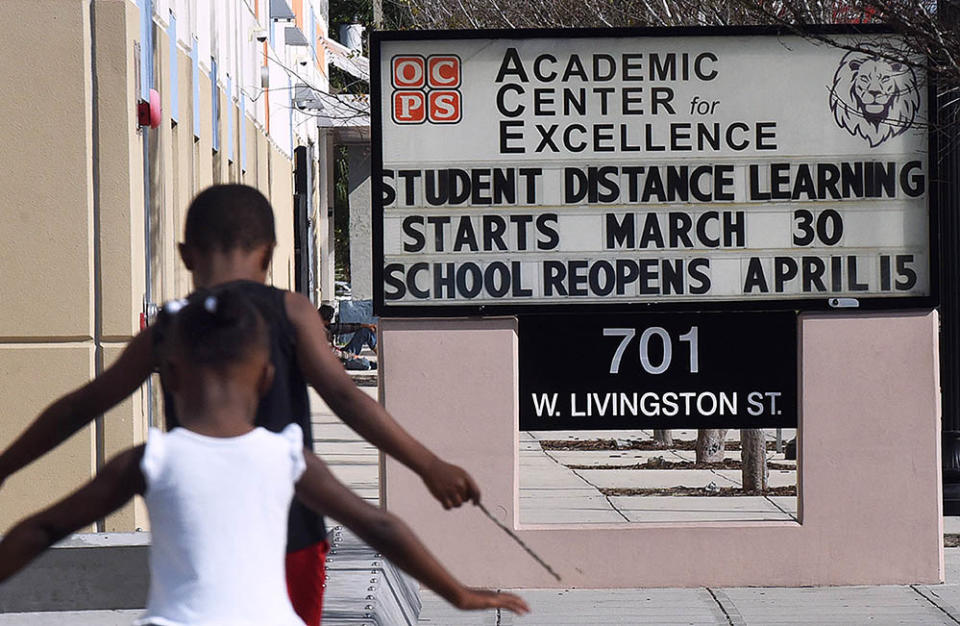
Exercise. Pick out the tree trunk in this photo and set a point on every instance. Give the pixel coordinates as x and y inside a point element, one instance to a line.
<point>710,445</point>
<point>753,455</point>
<point>663,437</point>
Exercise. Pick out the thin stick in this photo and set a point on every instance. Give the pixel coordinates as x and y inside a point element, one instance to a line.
<point>513,536</point>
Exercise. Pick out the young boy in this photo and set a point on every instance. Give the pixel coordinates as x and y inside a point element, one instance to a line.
<point>229,239</point>
<point>218,489</point>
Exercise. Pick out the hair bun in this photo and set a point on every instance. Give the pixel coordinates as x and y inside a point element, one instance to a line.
<point>224,305</point>
<point>210,304</point>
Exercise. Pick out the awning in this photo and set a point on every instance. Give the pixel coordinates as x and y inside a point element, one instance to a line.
<point>333,110</point>
<point>347,60</point>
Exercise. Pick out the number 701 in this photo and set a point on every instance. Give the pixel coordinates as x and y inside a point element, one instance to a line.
<point>627,334</point>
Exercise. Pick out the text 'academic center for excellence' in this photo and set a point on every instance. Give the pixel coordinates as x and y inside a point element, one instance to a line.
<point>115,113</point>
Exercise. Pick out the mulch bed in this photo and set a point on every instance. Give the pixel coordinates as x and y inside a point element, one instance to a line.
<point>698,491</point>
<point>660,464</point>
<point>632,444</point>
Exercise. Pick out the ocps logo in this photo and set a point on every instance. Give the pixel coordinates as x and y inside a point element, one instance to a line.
<point>426,89</point>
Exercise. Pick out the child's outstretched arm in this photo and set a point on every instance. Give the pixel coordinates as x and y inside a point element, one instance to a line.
<point>448,483</point>
<point>73,411</point>
<point>114,485</point>
<point>322,492</point>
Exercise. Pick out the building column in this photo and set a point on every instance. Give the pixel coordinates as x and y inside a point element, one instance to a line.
<point>325,230</point>
<point>361,220</point>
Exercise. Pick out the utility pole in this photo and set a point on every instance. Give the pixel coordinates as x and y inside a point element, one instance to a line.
<point>378,14</point>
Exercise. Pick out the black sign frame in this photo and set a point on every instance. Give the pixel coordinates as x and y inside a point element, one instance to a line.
<point>824,303</point>
<point>731,362</point>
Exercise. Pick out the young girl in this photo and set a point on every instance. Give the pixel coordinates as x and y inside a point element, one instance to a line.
<point>218,489</point>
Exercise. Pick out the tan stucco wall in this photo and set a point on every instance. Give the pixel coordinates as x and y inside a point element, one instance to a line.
<point>124,426</point>
<point>46,252</point>
<point>47,188</point>
<point>121,171</point>
<point>167,174</point>
<point>48,286</point>
<point>121,233</point>
<point>31,375</point>
<point>204,145</point>
<point>281,197</point>
<point>183,157</point>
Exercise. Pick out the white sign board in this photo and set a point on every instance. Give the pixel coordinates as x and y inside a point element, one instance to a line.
<point>692,171</point>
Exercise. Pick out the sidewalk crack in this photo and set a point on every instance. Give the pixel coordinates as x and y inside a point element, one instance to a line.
<point>575,473</point>
<point>781,509</point>
<point>943,606</point>
<point>727,606</point>
<point>605,496</point>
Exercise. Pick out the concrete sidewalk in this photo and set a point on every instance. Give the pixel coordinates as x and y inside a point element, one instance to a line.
<point>357,463</point>
<point>915,604</point>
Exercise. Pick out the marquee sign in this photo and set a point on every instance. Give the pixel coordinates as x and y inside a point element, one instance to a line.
<point>682,169</point>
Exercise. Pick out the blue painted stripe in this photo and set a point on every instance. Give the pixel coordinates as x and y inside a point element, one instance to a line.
<point>174,70</point>
<point>312,29</point>
<point>230,118</point>
<point>146,48</point>
<point>195,62</point>
<point>290,108</point>
<point>243,132</point>
<point>215,101</point>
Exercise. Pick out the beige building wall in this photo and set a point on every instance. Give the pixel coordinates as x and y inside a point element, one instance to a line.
<point>121,232</point>
<point>182,149</point>
<point>281,197</point>
<point>46,252</point>
<point>75,195</point>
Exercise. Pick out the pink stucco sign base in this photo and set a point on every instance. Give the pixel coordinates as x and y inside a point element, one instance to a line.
<point>869,466</point>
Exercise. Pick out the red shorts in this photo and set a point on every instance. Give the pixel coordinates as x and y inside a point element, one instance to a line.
<point>306,575</point>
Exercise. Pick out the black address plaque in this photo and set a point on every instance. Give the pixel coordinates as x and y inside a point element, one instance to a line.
<point>656,370</point>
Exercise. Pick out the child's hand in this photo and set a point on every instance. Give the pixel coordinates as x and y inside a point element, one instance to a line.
<point>450,484</point>
<point>477,599</point>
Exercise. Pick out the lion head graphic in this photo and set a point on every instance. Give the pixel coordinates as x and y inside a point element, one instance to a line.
<point>874,97</point>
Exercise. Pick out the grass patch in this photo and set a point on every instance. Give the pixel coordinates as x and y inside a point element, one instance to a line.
<point>631,444</point>
<point>658,463</point>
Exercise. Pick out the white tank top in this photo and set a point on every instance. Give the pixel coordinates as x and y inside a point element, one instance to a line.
<point>218,515</point>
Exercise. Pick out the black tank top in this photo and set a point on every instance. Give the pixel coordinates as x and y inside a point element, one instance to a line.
<point>285,403</point>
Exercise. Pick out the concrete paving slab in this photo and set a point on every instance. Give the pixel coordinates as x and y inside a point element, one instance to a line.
<point>575,513</point>
<point>951,560</point>
<point>357,477</point>
<point>698,509</point>
<point>630,457</point>
<point>945,597</point>
<point>601,607</point>
<point>550,478</point>
<point>347,459</point>
<point>545,494</point>
<point>346,447</point>
<point>334,431</point>
<point>71,618</point>
<point>437,612</point>
<point>951,525</point>
<point>657,479</point>
<point>835,605</point>
<point>790,504</point>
